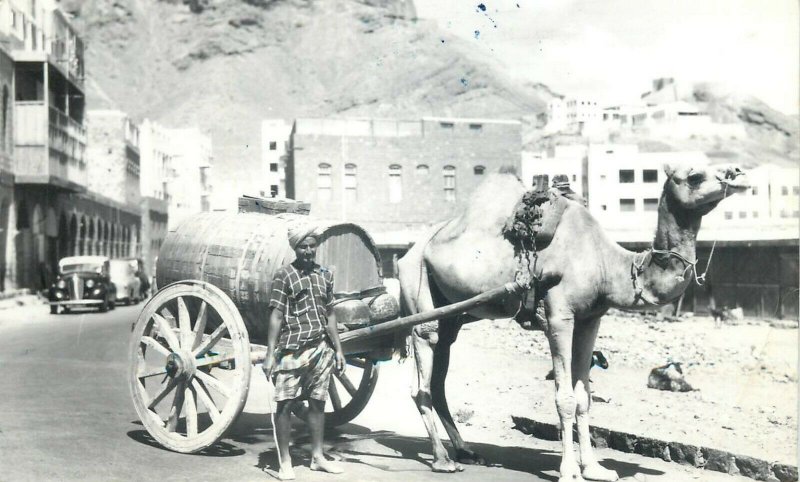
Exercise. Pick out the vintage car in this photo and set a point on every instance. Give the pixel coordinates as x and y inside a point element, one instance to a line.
<point>83,281</point>
<point>125,276</point>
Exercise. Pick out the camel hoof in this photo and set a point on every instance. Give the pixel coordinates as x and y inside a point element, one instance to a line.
<point>446,466</point>
<point>469,457</point>
<point>598,473</point>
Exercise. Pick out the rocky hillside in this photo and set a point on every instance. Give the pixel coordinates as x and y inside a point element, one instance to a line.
<point>226,64</point>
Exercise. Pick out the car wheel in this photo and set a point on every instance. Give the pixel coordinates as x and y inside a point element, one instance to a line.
<point>53,309</point>
<point>111,305</point>
<point>65,309</point>
<point>104,306</point>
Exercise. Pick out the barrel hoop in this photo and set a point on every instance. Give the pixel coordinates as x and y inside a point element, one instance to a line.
<point>358,295</point>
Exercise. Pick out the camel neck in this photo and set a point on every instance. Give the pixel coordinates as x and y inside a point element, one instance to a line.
<point>660,275</point>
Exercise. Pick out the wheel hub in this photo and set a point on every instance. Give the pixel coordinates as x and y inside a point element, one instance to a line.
<point>179,365</point>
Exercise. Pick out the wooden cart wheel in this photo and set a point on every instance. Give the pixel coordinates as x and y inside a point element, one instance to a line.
<point>191,362</point>
<point>348,393</point>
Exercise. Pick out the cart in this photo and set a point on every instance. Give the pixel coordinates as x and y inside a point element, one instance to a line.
<point>196,340</point>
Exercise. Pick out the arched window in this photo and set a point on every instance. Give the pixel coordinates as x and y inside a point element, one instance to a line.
<point>324,183</point>
<point>479,170</point>
<point>350,183</point>
<point>395,183</point>
<point>449,174</point>
<point>422,170</point>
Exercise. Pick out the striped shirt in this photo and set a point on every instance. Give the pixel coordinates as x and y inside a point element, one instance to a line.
<point>303,297</point>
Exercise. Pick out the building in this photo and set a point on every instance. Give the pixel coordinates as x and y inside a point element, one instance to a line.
<point>6,159</point>
<point>155,146</point>
<point>572,114</point>
<point>754,234</point>
<point>190,184</point>
<point>275,134</point>
<point>396,177</point>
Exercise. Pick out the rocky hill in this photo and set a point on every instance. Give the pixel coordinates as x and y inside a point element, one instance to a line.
<point>227,64</point>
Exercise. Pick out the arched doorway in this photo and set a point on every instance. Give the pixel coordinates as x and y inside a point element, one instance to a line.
<point>5,230</point>
<point>106,239</point>
<point>72,247</point>
<point>82,236</point>
<point>63,236</point>
<point>90,238</point>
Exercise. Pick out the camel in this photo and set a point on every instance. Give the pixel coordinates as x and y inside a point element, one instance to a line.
<point>579,275</point>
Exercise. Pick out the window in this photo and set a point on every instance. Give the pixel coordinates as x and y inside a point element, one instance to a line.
<point>650,175</point>
<point>479,170</point>
<point>625,176</point>
<point>350,183</point>
<point>754,191</point>
<point>784,213</point>
<point>796,214</point>
<point>742,214</point>
<point>755,214</point>
<point>795,190</point>
<point>475,127</point>
<point>273,167</point>
<point>395,183</point>
<point>446,125</point>
<point>422,170</point>
<point>785,190</point>
<point>324,182</point>
<point>728,215</point>
<point>449,174</point>
<point>627,205</point>
<point>574,178</point>
<point>273,190</point>
<point>273,145</point>
<point>651,204</point>
<point>604,207</point>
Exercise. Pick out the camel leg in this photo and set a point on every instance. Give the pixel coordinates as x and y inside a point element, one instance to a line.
<point>559,328</point>
<point>583,344</point>
<point>448,331</point>
<point>423,343</point>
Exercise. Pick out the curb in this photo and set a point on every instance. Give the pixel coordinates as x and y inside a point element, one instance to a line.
<point>685,454</point>
<point>17,298</point>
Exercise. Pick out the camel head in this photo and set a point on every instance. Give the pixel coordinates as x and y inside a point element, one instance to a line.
<point>700,189</point>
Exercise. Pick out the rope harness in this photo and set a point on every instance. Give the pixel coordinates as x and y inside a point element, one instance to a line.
<point>637,268</point>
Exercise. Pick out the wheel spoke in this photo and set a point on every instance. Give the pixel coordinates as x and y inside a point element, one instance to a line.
<point>214,360</point>
<point>172,383</point>
<point>184,323</point>
<point>154,344</point>
<point>199,326</point>
<point>177,407</point>
<point>166,331</point>
<point>357,362</point>
<point>213,383</point>
<point>191,412</point>
<point>334,393</point>
<point>203,396</point>
<point>347,384</point>
<point>151,373</point>
<point>210,341</point>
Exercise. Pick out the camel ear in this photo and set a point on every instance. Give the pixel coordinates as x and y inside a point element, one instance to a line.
<point>669,170</point>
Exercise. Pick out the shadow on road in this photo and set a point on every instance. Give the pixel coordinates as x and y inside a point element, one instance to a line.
<point>219,449</point>
<point>390,452</point>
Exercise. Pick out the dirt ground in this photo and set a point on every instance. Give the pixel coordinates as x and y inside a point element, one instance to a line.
<point>745,376</point>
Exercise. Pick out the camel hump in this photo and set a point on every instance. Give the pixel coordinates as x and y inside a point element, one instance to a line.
<point>536,217</point>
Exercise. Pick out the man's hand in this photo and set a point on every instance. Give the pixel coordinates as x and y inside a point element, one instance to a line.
<point>341,364</point>
<point>268,365</point>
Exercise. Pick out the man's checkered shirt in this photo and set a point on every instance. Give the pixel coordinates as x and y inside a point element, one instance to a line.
<point>303,297</point>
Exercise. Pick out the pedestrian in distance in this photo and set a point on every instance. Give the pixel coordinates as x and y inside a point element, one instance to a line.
<point>303,347</point>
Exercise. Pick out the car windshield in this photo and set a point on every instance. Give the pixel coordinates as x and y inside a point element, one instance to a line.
<point>77,267</point>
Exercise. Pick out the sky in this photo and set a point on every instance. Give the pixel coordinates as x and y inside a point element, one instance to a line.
<point>611,50</point>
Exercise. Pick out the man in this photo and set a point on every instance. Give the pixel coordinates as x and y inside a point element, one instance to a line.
<point>299,353</point>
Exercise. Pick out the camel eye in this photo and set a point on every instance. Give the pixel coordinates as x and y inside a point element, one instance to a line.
<point>695,178</point>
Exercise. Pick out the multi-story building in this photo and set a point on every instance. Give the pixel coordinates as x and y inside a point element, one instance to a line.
<point>155,144</point>
<point>190,186</point>
<point>6,159</point>
<point>754,234</point>
<point>572,114</point>
<point>275,135</point>
<point>396,177</point>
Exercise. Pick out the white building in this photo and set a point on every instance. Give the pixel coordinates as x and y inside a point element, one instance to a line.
<point>275,134</point>
<point>190,186</point>
<point>572,114</point>
<point>624,186</point>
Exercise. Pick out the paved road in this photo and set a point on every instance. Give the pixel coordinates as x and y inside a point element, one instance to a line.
<point>66,414</point>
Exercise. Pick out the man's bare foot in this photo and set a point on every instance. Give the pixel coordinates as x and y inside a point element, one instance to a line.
<point>286,472</point>
<point>322,465</point>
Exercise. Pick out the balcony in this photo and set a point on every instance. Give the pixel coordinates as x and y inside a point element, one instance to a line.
<point>49,147</point>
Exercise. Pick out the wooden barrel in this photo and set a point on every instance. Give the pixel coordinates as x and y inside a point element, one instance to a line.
<point>240,252</point>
